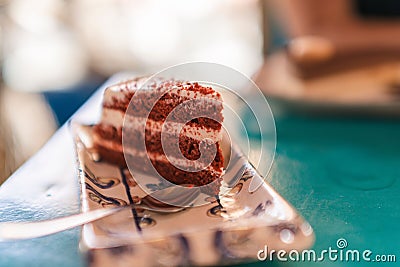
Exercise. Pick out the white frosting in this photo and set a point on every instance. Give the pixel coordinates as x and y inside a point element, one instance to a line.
<point>111,95</point>
<point>115,118</point>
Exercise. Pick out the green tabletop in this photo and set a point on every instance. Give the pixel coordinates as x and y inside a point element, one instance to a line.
<point>341,175</point>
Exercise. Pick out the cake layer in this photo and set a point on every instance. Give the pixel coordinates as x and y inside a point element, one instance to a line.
<point>112,118</point>
<point>177,176</point>
<point>216,161</point>
<point>120,94</point>
<point>186,100</point>
<point>110,155</point>
<point>189,146</point>
<point>189,140</point>
<point>166,170</point>
<point>204,112</point>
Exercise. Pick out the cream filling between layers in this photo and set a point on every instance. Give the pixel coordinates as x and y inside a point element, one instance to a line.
<point>115,118</point>
<point>152,156</point>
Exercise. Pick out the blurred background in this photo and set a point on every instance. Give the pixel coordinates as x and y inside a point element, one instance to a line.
<point>329,69</point>
<point>55,53</point>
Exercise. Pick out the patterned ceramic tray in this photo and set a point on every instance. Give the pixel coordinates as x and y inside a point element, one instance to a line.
<point>208,235</point>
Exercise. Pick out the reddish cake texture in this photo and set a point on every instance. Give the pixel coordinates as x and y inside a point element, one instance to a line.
<point>176,105</point>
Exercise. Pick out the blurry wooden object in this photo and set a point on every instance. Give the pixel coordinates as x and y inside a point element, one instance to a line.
<point>26,124</point>
<point>338,57</point>
<point>369,86</point>
<point>325,33</point>
<point>7,159</point>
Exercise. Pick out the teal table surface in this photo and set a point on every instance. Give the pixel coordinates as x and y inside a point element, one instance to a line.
<point>341,174</point>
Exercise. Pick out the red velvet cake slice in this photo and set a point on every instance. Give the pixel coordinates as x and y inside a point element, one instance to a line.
<point>178,101</point>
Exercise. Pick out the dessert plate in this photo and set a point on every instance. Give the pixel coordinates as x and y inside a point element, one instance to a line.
<point>233,231</point>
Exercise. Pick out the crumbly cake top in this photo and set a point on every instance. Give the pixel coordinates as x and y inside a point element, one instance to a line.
<point>124,90</point>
